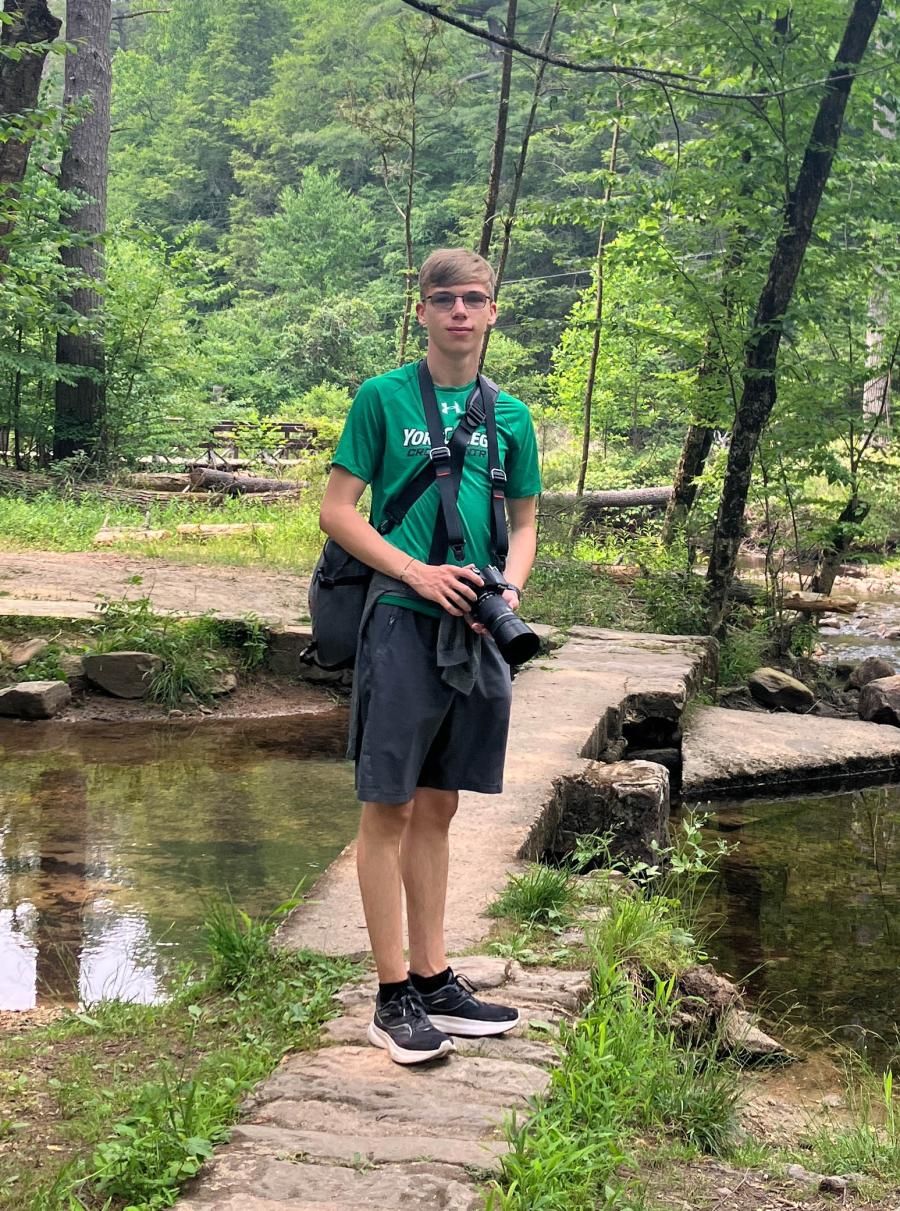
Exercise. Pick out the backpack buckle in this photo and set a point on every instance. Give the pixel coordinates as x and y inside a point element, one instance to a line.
<point>440,457</point>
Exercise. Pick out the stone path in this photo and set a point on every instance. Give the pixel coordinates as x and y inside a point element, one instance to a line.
<point>727,751</point>
<point>344,1127</point>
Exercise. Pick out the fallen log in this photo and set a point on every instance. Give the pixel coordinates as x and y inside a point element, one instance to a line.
<point>214,530</point>
<point>819,603</point>
<point>160,481</point>
<point>591,507</point>
<point>113,534</point>
<point>237,485</point>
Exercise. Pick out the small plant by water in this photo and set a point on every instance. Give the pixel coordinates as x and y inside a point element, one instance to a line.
<point>539,896</point>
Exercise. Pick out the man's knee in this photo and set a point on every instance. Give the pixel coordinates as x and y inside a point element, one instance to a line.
<point>434,808</point>
<point>384,821</point>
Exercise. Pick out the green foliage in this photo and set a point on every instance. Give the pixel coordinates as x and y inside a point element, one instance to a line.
<point>741,652</point>
<point>622,1073</point>
<point>189,648</point>
<point>238,943</point>
<point>871,1143</point>
<point>540,896</point>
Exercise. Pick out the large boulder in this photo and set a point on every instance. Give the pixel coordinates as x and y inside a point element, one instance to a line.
<point>775,689</point>
<point>122,674</point>
<point>879,701</point>
<point>35,699</point>
<point>873,668</point>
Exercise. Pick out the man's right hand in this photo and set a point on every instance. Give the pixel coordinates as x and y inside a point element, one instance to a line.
<point>449,586</point>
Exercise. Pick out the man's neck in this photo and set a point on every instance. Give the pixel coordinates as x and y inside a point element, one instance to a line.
<point>451,371</point>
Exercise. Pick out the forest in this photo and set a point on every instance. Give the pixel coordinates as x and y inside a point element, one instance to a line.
<point>216,212</point>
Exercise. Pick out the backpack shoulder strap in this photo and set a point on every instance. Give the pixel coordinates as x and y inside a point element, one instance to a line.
<point>499,530</point>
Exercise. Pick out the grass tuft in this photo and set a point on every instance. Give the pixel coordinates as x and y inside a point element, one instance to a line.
<point>542,895</point>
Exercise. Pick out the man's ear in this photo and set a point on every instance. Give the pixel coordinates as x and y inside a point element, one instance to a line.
<point>420,312</point>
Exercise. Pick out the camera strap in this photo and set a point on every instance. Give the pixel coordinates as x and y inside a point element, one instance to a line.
<point>499,530</point>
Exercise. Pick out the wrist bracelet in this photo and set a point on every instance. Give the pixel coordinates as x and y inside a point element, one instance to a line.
<point>515,588</point>
<point>407,566</point>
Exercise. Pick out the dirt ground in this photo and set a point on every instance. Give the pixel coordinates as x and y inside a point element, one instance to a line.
<point>83,577</point>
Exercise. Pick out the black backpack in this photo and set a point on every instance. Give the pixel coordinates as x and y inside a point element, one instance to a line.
<point>340,582</point>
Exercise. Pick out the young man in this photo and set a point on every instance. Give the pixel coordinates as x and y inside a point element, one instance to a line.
<point>427,724</point>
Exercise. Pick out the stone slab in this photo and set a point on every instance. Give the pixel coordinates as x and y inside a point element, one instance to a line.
<point>567,707</point>
<point>374,1147</point>
<point>725,751</point>
<point>281,1184</point>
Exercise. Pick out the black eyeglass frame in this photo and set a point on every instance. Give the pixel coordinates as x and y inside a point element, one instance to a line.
<point>486,298</point>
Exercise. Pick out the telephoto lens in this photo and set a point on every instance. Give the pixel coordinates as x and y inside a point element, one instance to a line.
<point>515,639</point>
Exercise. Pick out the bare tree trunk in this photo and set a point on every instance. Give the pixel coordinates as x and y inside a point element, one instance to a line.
<point>761,349</point>
<point>598,314</point>
<point>80,403</point>
<point>31,23</point>
<point>877,391</point>
<point>496,170</point>
<point>510,216</point>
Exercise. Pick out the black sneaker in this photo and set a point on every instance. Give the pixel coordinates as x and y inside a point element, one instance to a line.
<point>402,1028</point>
<point>454,1009</point>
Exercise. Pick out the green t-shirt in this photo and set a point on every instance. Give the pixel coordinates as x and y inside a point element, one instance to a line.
<point>385,439</point>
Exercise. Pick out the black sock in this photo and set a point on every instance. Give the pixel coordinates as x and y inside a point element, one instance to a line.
<point>429,983</point>
<point>390,992</point>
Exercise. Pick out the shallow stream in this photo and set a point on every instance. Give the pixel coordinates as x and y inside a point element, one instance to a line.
<point>113,837</point>
<point>807,908</point>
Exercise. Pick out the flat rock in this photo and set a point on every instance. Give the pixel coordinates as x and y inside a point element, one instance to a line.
<point>879,701</point>
<point>773,688</point>
<point>35,699</point>
<point>122,674</point>
<point>732,750</point>
<point>241,1179</point>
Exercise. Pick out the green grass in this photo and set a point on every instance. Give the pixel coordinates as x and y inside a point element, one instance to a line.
<point>539,896</point>
<point>121,1103</point>
<point>870,1144</point>
<point>622,1073</point>
<point>51,523</point>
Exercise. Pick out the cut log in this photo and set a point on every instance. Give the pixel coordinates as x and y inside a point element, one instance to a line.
<point>161,481</point>
<point>592,506</point>
<point>818,603</point>
<point>214,530</point>
<point>29,486</point>
<point>236,485</point>
<point>113,534</point>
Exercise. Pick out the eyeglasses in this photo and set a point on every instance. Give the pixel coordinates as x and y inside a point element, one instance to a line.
<point>445,300</point>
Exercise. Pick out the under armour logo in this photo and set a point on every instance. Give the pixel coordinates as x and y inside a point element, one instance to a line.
<point>447,408</point>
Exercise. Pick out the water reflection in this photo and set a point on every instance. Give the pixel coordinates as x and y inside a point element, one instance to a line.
<point>808,907</point>
<point>112,839</point>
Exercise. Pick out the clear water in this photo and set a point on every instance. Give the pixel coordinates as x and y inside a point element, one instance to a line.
<point>112,838</point>
<point>808,911</point>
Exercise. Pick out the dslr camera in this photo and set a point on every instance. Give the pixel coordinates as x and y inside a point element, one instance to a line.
<point>515,639</point>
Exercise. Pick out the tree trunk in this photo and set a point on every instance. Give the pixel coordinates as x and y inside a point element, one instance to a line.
<point>237,485</point>
<point>761,349</point>
<point>495,173</point>
<point>598,314</point>
<point>694,453</point>
<point>510,216</point>
<point>877,391</point>
<point>20,83</point>
<point>80,403</point>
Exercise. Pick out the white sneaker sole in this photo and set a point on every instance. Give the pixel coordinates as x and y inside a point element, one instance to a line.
<point>402,1055</point>
<point>466,1028</point>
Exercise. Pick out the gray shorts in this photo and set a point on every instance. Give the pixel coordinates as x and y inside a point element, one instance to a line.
<point>415,730</point>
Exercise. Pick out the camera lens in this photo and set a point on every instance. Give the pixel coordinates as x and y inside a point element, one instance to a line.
<point>515,639</point>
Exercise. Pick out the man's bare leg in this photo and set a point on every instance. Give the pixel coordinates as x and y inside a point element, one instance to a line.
<point>381,828</point>
<point>424,862</point>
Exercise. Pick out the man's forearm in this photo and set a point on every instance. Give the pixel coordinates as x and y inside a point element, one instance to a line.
<point>520,560</point>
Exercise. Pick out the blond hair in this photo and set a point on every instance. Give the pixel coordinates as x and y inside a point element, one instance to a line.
<point>452,267</point>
